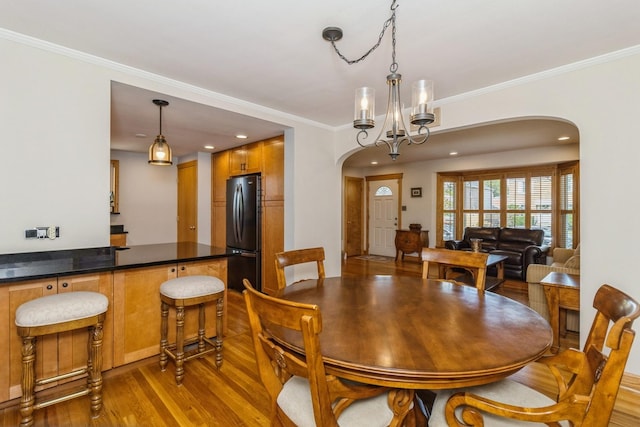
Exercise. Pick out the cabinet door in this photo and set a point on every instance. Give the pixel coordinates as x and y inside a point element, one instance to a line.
<point>216,268</point>
<point>246,159</point>
<point>273,168</point>
<point>272,242</point>
<point>46,347</point>
<point>72,346</point>
<point>219,173</point>
<point>136,312</point>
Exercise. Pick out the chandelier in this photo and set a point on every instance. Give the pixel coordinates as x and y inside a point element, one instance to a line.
<point>396,132</point>
<point>159,151</point>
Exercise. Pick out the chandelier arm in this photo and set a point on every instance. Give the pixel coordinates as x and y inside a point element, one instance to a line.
<point>362,131</point>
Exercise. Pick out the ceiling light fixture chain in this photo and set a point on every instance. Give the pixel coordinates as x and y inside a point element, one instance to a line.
<point>364,115</point>
<point>333,34</point>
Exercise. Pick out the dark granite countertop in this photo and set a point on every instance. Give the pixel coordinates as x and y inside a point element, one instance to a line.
<point>35,265</point>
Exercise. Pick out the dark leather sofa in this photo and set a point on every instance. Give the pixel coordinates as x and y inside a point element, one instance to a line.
<point>522,246</point>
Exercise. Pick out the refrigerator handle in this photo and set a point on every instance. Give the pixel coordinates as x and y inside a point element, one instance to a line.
<point>238,219</point>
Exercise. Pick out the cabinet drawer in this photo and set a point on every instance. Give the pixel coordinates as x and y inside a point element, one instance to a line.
<point>569,298</point>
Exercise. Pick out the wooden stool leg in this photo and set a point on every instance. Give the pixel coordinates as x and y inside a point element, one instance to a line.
<point>179,344</point>
<point>28,381</point>
<point>164,330</point>
<point>219,323</point>
<point>201,328</point>
<point>94,369</point>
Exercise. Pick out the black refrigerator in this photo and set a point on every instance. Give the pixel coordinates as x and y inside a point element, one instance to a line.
<point>244,231</point>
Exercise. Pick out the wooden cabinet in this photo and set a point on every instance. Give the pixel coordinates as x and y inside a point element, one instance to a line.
<point>246,159</point>
<point>58,353</point>
<point>267,158</point>
<point>118,239</point>
<point>273,169</point>
<point>409,241</point>
<point>137,307</point>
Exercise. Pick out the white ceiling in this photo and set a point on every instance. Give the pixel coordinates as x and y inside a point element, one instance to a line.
<point>271,53</point>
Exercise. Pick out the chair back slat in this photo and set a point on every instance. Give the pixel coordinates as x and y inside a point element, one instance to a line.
<point>447,260</point>
<point>295,257</point>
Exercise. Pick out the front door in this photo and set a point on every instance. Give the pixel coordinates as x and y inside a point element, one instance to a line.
<point>383,216</point>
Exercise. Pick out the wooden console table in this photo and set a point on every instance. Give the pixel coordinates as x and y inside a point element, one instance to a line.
<point>409,241</point>
<point>562,291</point>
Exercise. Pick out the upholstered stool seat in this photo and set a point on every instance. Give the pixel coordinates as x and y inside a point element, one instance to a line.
<point>184,292</point>
<point>53,314</point>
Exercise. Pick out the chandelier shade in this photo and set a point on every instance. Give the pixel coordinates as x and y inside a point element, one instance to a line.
<point>394,131</point>
<point>160,151</point>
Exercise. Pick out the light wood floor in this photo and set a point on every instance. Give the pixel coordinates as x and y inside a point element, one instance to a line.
<point>141,395</point>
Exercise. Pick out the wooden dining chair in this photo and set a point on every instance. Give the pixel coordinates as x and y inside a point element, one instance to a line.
<point>450,262</point>
<point>588,380</point>
<point>301,392</point>
<point>298,256</point>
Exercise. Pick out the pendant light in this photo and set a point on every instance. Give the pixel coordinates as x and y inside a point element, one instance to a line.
<point>159,151</point>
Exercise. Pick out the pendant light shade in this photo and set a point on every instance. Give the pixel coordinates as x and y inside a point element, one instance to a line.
<point>159,151</point>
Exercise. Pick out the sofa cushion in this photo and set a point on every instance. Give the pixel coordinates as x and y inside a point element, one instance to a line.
<point>485,233</point>
<point>526,236</point>
<point>573,262</point>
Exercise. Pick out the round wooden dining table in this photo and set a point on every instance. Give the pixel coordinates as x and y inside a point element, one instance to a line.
<point>411,333</point>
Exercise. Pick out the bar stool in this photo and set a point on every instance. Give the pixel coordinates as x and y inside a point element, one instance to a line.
<point>184,292</point>
<point>50,315</point>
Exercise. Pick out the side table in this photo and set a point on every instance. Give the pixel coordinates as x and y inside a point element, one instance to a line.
<point>409,241</point>
<point>562,292</point>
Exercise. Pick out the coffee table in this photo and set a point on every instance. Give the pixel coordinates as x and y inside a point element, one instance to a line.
<point>562,292</point>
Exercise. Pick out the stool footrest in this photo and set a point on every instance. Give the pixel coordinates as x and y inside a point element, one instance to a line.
<point>192,353</point>
<point>63,398</point>
<point>45,381</point>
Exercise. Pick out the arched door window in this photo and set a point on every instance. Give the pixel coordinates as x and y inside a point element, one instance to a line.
<point>384,191</point>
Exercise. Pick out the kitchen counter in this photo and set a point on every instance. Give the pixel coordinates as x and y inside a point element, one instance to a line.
<point>35,265</point>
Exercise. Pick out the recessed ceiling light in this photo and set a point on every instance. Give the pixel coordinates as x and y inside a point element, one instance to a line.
<point>453,153</point>
<point>564,138</point>
<point>374,163</point>
<point>141,135</point>
<point>241,136</point>
<point>209,147</point>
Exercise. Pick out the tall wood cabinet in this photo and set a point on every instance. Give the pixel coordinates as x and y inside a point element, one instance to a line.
<point>267,158</point>
<point>58,353</point>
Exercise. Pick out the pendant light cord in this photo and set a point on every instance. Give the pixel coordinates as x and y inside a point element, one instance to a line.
<point>391,21</point>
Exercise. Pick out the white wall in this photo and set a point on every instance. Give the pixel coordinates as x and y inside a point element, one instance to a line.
<point>600,97</point>
<point>54,113</point>
<point>148,199</point>
<point>54,116</point>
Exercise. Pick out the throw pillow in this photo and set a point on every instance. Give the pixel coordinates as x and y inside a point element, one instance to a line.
<point>573,262</point>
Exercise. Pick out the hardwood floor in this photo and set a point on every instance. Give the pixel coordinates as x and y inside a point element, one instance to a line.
<point>141,395</point>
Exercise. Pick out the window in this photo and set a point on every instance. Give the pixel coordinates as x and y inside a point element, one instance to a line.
<point>384,191</point>
<point>540,197</point>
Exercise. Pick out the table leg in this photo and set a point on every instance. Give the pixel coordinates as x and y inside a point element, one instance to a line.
<point>500,270</point>
<point>553,301</point>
